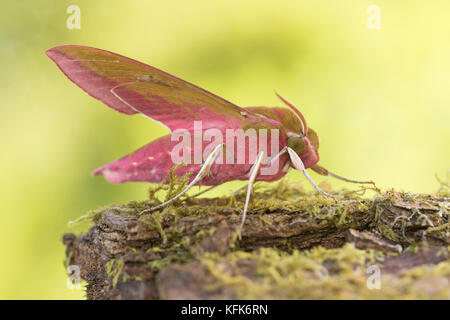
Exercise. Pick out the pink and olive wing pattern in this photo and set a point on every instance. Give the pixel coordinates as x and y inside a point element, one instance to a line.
<point>130,87</point>
<point>281,115</point>
<point>153,162</point>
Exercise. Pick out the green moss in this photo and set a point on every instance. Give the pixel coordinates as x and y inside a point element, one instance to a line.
<point>93,216</point>
<point>182,249</point>
<point>442,227</point>
<point>276,198</point>
<point>170,187</point>
<point>288,276</point>
<point>114,268</point>
<point>388,233</point>
<point>178,252</point>
<point>179,256</point>
<point>127,277</point>
<point>284,272</point>
<point>154,222</point>
<point>444,189</point>
<point>317,274</point>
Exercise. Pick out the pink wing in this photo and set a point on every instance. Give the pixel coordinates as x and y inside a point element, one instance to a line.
<point>130,87</point>
<point>153,162</point>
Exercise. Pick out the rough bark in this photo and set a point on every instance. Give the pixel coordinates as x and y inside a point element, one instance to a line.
<point>186,251</point>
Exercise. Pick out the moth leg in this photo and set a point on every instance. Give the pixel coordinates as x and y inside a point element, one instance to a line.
<point>201,174</point>
<point>268,162</point>
<point>321,170</point>
<point>275,157</point>
<point>298,164</point>
<point>251,180</point>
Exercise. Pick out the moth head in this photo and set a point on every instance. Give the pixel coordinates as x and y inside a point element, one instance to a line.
<point>306,142</point>
<point>306,147</point>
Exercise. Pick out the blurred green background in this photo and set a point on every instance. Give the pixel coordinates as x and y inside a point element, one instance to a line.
<point>378,98</point>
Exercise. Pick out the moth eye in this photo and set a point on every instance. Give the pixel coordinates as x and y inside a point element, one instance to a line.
<point>296,144</point>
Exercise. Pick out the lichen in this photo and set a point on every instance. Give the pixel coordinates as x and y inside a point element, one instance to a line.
<point>317,274</point>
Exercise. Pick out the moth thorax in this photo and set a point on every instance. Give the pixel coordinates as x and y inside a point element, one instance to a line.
<point>297,144</point>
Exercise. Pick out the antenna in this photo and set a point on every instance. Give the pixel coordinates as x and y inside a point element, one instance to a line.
<point>297,113</point>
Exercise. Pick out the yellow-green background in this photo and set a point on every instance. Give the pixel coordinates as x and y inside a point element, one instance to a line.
<point>378,98</point>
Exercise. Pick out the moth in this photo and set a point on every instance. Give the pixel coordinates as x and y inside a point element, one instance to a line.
<point>132,87</point>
